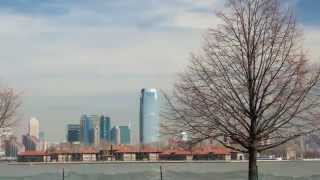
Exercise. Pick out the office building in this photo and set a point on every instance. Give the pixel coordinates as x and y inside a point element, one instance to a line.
<point>41,136</point>
<point>124,135</point>
<point>5,133</point>
<point>95,129</point>
<point>105,129</point>
<point>73,133</point>
<point>34,128</point>
<point>30,143</point>
<point>86,130</point>
<point>12,147</point>
<point>115,135</point>
<point>149,117</point>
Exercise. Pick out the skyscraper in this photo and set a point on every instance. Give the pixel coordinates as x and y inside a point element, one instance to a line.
<point>73,133</point>
<point>95,129</point>
<point>124,135</point>
<point>105,129</point>
<point>115,135</point>
<point>34,128</point>
<point>86,130</point>
<point>149,116</point>
<point>30,143</point>
<point>12,147</point>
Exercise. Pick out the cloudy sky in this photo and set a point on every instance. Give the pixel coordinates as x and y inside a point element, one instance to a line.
<point>93,56</point>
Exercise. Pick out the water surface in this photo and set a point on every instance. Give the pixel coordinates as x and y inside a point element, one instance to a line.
<point>285,170</point>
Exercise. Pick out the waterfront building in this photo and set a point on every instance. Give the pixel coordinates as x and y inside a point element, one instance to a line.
<point>33,156</point>
<point>115,135</point>
<point>149,116</point>
<point>105,129</point>
<point>34,128</point>
<point>30,143</point>
<point>86,130</point>
<point>73,133</point>
<point>124,135</point>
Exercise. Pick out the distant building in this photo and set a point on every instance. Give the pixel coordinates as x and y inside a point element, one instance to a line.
<point>115,135</point>
<point>5,134</point>
<point>12,147</point>
<point>73,133</point>
<point>105,126</point>
<point>149,116</point>
<point>95,129</point>
<point>30,143</point>
<point>124,135</point>
<point>41,135</point>
<point>86,130</point>
<point>34,128</point>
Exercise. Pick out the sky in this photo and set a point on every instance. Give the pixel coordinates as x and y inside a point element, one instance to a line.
<point>67,58</point>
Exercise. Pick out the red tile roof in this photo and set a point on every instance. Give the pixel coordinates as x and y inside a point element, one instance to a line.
<point>127,149</point>
<point>150,149</point>
<point>32,153</point>
<point>211,149</point>
<point>87,150</point>
<point>178,151</point>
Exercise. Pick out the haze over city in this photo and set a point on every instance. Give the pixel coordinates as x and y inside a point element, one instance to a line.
<point>68,58</point>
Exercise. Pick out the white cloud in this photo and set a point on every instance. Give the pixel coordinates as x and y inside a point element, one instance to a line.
<point>312,43</point>
<point>50,59</point>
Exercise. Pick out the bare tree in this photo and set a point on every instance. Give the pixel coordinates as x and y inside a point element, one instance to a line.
<point>251,83</point>
<point>9,104</point>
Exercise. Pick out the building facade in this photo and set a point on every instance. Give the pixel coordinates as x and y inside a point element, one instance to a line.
<point>149,116</point>
<point>95,129</point>
<point>124,135</point>
<point>30,143</point>
<point>115,135</point>
<point>86,130</point>
<point>34,128</point>
<point>73,133</point>
<point>13,147</point>
<point>105,129</point>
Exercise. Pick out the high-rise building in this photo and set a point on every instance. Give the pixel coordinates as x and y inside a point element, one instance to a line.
<point>12,147</point>
<point>30,143</point>
<point>115,135</point>
<point>124,135</point>
<point>149,116</point>
<point>5,133</point>
<point>34,128</point>
<point>86,130</point>
<point>41,135</point>
<point>95,129</point>
<point>43,144</point>
<point>73,133</point>
<point>105,129</point>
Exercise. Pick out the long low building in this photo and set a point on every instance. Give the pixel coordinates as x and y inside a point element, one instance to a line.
<point>126,153</point>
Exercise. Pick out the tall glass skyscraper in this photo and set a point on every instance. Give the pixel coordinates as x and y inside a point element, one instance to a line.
<point>124,135</point>
<point>73,133</point>
<point>34,128</point>
<point>105,129</point>
<point>115,135</point>
<point>95,119</point>
<point>149,116</point>
<point>86,130</point>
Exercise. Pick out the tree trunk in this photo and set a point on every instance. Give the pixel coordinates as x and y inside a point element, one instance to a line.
<point>253,167</point>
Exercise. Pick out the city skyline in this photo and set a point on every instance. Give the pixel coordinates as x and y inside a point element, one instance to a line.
<point>76,57</point>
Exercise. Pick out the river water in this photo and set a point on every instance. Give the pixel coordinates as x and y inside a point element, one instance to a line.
<point>277,170</point>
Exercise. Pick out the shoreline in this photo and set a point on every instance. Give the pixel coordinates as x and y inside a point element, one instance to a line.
<point>152,162</point>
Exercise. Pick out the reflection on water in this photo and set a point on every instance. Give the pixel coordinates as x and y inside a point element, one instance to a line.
<point>177,171</point>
